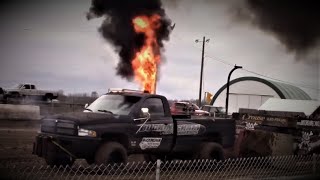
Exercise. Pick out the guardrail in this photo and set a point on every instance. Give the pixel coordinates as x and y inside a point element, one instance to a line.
<point>240,168</point>
<point>49,108</point>
<point>18,112</point>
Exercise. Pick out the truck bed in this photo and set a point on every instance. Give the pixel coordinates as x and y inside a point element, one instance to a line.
<point>226,127</point>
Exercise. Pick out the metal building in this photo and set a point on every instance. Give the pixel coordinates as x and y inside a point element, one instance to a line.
<point>252,92</point>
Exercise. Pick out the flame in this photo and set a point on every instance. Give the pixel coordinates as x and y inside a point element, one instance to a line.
<point>146,60</point>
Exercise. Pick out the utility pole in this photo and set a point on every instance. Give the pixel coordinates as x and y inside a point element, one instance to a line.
<point>204,41</point>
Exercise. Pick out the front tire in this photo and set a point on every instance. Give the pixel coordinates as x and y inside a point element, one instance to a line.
<point>111,153</point>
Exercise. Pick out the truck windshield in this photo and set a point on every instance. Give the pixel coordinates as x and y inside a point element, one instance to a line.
<point>205,108</point>
<point>114,104</point>
<point>221,109</point>
<point>195,107</point>
<point>180,106</point>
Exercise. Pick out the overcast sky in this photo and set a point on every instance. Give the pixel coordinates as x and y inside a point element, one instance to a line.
<point>51,44</point>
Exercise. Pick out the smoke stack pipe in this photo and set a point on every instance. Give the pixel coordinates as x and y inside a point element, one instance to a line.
<point>155,84</point>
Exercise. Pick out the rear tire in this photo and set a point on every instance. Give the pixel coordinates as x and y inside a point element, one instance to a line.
<point>111,153</point>
<point>211,151</point>
<point>214,152</point>
<point>48,97</point>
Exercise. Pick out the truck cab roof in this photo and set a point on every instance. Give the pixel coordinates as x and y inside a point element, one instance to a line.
<point>129,102</point>
<point>131,92</point>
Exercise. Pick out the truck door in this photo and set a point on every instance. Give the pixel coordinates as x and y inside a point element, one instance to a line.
<point>33,90</point>
<point>26,89</point>
<point>155,135</point>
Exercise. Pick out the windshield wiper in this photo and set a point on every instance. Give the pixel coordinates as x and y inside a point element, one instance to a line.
<point>88,109</point>
<point>105,111</point>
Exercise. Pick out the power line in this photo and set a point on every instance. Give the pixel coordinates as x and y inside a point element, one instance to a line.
<point>206,55</point>
<point>287,82</point>
<point>222,61</point>
<point>265,76</point>
<point>250,71</point>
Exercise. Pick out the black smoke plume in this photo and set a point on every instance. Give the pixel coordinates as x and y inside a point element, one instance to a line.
<point>117,28</point>
<point>296,24</point>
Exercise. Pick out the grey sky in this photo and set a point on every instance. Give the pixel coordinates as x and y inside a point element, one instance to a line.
<point>51,44</point>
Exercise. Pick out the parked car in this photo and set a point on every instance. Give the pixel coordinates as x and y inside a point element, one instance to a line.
<point>214,110</point>
<point>199,112</point>
<point>188,108</point>
<point>121,123</point>
<point>30,90</point>
<point>181,108</point>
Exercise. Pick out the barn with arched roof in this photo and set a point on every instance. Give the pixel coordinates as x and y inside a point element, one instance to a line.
<point>252,92</point>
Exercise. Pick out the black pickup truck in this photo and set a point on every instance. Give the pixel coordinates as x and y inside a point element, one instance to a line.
<point>125,122</point>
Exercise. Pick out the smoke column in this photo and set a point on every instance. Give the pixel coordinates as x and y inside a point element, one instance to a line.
<point>117,28</point>
<point>296,24</point>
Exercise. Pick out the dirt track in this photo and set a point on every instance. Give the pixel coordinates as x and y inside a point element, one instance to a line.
<point>15,143</point>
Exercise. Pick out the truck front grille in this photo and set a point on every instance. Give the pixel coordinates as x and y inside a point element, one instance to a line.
<point>59,127</point>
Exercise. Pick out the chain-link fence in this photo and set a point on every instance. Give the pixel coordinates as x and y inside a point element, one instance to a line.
<point>240,168</point>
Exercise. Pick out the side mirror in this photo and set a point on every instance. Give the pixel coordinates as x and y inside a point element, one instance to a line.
<point>145,112</point>
<point>86,105</point>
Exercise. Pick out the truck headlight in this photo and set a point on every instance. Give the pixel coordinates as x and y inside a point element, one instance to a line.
<point>86,132</point>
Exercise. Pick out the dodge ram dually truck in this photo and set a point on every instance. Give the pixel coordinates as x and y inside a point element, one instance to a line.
<point>30,90</point>
<point>125,122</point>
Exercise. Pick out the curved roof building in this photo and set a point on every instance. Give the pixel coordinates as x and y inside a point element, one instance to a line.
<point>252,92</point>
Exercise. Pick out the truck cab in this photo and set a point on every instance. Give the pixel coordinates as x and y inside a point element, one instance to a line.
<point>26,86</point>
<point>27,89</point>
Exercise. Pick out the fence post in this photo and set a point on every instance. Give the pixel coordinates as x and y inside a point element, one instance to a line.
<point>158,169</point>
<point>314,162</point>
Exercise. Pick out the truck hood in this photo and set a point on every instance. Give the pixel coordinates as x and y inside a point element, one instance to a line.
<point>88,118</point>
<point>200,111</point>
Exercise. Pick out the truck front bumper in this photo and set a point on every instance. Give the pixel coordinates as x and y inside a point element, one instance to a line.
<point>79,147</point>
